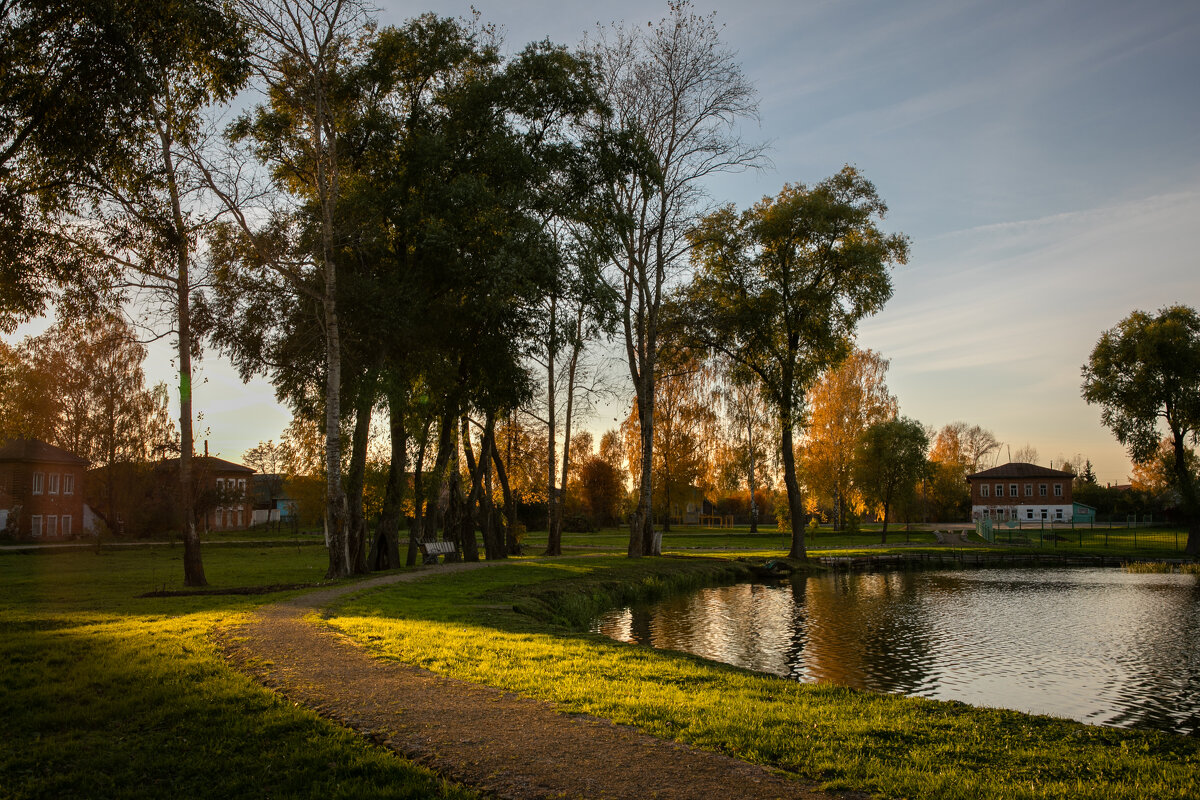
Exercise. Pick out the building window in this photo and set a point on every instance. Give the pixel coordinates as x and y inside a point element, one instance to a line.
<point>54,479</point>
<point>1029,513</point>
<point>1041,490</point>
<point>983,490</point>
<point>66,525</point>
<point>52,525</point>
<point>999,490</point>
<point>39,480</point>
<point>1058,513</point>
<point>1012,490</point>
<point>986,514</point>
<point>1029,490</point>
<point>35,525</point>
<point>1058,490</point>
<point>242,486</point>
<point>69,483</point>
<point>220,484</point>
<point>1044,513</point>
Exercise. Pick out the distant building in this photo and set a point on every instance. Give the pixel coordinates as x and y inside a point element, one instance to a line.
<point>1020,491</point>
<point>41,490</point>
<point>224,498</point>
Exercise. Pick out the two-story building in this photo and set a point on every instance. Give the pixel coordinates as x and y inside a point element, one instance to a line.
<point>1020,491</point>
<point>224,496</point>
<point>41,490</point>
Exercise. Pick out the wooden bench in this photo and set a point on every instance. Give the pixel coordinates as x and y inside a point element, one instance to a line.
<point>431,550</point>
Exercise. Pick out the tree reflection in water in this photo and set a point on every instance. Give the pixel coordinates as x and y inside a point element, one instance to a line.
<point>1100,646</point>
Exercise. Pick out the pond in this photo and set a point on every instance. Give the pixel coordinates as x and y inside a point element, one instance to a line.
<point>1097,645</point>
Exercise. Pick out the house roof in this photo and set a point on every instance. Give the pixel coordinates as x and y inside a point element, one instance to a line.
<point>37,450</point>
<point>211,463</point>
<point>1020,469</point>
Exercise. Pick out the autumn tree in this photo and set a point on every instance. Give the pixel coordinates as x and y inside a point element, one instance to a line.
<point>747,437</point>
<point>1145,375</point>
<point>844,403</point>
<point>685,430</point>
<point>888,462</point>
<point>680,92</point>
<point>780,289</point>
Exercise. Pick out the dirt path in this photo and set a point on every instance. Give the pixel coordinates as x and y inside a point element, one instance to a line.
<point>499,743</point>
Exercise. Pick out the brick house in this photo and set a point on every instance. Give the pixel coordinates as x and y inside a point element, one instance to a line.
<point>224,497</point>
<point>1021,492</point>
<point>41,490</point>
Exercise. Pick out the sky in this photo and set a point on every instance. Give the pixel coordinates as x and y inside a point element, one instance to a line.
<point>1043,157</point>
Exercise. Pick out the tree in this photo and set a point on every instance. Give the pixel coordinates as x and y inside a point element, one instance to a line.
<point>780,289</point>
<point>844,403</point>
<point>302,53</point>
<point>684,431</point>
<point>679,92</point>
<point>1145,373</point>
<point>80,80</point>
<point>889,461</point>
<point>1027,454</point>
<point>267,458</point>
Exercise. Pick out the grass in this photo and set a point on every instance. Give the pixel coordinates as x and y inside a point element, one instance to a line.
<point>1125,542</point>
<point>518,627</point>
<point>105,694</point>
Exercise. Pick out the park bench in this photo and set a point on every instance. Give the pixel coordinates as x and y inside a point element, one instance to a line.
<point>431,550</point>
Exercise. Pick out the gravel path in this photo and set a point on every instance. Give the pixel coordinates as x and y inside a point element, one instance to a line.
<point>496,742</point>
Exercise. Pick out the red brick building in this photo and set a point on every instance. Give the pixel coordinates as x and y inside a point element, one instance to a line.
<point>224,496</point>
<point>1020,491</point>
<point>41,490</point>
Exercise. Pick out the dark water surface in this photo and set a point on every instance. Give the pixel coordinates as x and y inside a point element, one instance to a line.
<point>1097,645</point>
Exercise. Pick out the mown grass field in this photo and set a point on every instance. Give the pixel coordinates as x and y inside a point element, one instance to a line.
<point>105,694</point>
<point>522,627</point>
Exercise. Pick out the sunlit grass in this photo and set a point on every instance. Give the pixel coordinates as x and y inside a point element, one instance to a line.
<point>105,694</point>
<point>518,627</point>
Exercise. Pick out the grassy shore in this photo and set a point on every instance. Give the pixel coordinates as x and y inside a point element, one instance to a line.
<point>107,694</point>
<point>519,627</point>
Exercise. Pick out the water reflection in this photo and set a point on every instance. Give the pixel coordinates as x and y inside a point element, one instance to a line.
<point>1100,646</point>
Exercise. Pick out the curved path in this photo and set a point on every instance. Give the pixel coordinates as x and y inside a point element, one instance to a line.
<point>499,743</point>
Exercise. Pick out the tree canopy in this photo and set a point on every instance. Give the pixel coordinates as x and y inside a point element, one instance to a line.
<point>1145,374</point>
<point>780,289</point>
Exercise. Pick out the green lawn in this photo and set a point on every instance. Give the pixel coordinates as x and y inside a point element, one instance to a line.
<point>519,627</point>
<point>105,694</point>
<point>1131,543</point>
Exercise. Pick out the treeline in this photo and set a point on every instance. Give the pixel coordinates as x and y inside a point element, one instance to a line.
<point>411,224</point>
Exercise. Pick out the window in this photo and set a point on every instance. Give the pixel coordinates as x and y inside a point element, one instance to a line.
<point>220,484</point>
<point>54,478</point>
<point>999,490</point>
<point>1012,490</point>
<point>39,480</point>
<point>1041,490</point>
<point>1058,513</point>
<point>66,525</point>
<point>1058,490</point>
<point>1044,513</point>
<point>1029,513</point>
<point>986,514</point>
<point>52,525</point>
<point>983,490</point>
<point>242,486</point>
<point>69,484</point>
<point>35,525</point>
<point>1029,490</point>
